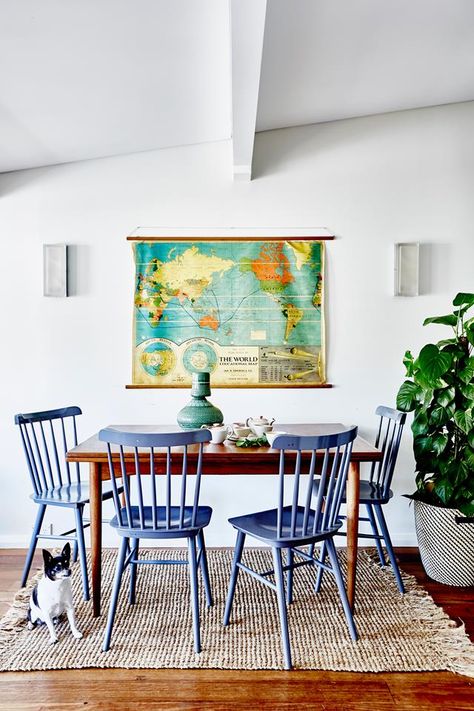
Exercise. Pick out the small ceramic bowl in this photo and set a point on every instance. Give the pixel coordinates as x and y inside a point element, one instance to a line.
<point>240,430</point>
<point>218,432</point>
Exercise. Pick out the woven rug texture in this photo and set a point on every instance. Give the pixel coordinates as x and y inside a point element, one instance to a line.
<point>397,633</point>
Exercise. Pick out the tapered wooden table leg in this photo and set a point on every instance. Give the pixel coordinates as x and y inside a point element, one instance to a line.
<point>352,498</point>
<point>95,479</point>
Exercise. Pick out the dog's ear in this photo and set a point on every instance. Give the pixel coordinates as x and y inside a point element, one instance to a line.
<point>66,553</point>
<point>47,557</point>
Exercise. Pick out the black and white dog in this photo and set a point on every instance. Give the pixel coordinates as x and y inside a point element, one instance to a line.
<point>53,594</point>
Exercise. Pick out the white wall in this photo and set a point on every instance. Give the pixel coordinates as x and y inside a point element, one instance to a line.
<point>373,181</point>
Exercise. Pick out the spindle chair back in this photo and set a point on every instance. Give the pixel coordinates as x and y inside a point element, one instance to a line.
<point>137,462</point>
<point>299,519</point>
<point>389,435</point>
<point>144,512</point>
<point>46,436</point>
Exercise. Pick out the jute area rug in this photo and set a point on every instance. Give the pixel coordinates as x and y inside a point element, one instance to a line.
<point>397,633</point>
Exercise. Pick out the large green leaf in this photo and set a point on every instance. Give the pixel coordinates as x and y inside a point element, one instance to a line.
<point>469,458</point>
<point>407,396</point>
<point>427,398</point>
<point>444,489</point>
<point>467,373</point>
<point>433,362</point>
<point>470,333</point>
<point>463,298</point>
<point>439,443</point>
<point>463,420</point>
<point>429,384</point>
<point>470,438</point>
<point>420,423</point>
<point>467,390</point>
<point>438,416</point>
<point>462,475</point>
<point>445,464</point>
<point>422,445</point>
<point>445,396</point>
<point>467,509</point>
<point>448,320</point>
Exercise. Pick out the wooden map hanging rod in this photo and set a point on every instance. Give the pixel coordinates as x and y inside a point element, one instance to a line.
<point>236,233</point>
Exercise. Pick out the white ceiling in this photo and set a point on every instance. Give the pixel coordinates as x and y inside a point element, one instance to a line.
<point>326,60</point>
<point>88,78</point>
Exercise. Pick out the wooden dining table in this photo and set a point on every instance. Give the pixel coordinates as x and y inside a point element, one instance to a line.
<point>222,460</point>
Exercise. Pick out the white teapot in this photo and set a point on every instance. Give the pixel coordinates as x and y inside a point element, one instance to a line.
<point>260,425</point>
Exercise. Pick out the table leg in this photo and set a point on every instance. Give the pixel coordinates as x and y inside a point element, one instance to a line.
<point>352,498</point>
<point>95,480</point>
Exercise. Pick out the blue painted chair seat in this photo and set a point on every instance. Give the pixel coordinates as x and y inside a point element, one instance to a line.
<point>70,494</point>
<point>369,493</point>
<point>175,529</point>
<point>263,525</point>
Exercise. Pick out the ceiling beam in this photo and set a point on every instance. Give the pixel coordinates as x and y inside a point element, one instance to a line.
<point>247,33</point>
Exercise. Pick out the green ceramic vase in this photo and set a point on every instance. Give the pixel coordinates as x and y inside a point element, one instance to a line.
<point>199,411</point>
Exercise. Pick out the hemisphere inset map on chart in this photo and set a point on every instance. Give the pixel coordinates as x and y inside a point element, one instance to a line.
<point>249,311</point>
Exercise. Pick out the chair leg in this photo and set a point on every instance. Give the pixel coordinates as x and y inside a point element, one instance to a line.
<point>289,580</point>
<point>280,588</point>
<point>388,543</point>
<point>75,552</point>
<point>375,531</point>
<point>115,593</point>
<point>194,592</point>
<point>320,571</point>
<point>82,550</point>
<point>331,549</point>
<point>34,538</point>
<point>204,568</point>
<point>239,546</point>
<point>133,571</point>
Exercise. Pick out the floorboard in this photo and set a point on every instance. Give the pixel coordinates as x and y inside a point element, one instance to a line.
<point>216,690</point>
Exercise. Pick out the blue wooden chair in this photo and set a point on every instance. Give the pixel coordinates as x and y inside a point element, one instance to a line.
<point>290,526</point>
<point>135,521</point>
<point>46,437</point>
<point>375,491</point>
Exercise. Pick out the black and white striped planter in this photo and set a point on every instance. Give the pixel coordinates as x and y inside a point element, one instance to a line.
<point>446,547</point>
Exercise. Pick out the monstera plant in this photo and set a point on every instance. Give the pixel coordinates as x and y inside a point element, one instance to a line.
<point>439,390</point>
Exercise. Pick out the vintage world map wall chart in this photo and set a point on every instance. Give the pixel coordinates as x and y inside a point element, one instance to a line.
<point>250,311</point>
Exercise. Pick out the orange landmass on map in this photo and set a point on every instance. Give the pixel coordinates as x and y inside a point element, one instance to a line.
<point>209,321</point>
<point>272,264</point>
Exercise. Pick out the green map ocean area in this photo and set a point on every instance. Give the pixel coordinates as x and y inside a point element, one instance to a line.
<point>259,292</point>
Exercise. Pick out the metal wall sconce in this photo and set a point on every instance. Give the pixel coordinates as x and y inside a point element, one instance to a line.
<point>407,269</point>
<point>55,270</point>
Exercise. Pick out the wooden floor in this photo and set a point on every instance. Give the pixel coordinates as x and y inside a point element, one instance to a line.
<point>113,689</point>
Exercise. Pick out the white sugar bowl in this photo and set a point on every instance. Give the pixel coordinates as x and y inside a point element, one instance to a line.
<point>260,425</point>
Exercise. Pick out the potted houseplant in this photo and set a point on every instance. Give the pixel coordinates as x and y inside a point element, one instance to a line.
<point>439,390</point>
